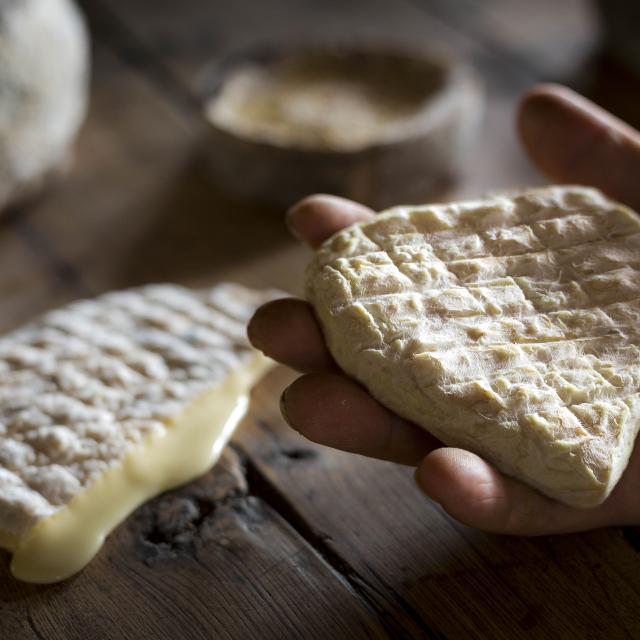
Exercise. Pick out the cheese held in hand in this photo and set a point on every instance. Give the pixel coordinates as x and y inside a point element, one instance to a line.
<point>508,326</point>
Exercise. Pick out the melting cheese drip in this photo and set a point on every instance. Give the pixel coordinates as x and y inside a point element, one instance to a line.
<point>61,545</point>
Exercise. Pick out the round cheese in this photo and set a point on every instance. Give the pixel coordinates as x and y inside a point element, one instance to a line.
<point>44,61</point>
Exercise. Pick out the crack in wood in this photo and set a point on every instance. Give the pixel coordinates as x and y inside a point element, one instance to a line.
<point>632,536</point>
<point>33,627</point>
<point>322,544</point>
<point>299,453</point>
<point>399,600</point>
<point>174,521</point>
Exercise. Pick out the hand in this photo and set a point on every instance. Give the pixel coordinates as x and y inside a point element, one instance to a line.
<point>572,141</point>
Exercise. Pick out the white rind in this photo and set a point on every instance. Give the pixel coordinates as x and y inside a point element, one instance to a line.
<point>85,385</point>
<point>44,68</point>
<point>506,326</point>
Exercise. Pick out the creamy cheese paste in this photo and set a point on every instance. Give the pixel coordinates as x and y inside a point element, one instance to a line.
<point>64,543</point>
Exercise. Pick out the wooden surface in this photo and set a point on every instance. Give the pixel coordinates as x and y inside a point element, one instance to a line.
<point>285,539</point>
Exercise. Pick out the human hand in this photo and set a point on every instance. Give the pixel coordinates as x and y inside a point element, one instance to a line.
<point>572,141</point>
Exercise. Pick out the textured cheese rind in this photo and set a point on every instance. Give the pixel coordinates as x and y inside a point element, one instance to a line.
<point>85,385</point>
<point>507,326</point>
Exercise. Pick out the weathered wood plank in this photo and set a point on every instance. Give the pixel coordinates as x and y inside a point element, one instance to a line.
<point>216,557</point>
<point>208,560</point>
<point>406,554</point>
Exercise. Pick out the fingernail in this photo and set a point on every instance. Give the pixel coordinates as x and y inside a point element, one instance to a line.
<point>262,317</point>
<point>421,486</point>
<point>283,405</point>
<point>288,219</point>
<point>253,336</point>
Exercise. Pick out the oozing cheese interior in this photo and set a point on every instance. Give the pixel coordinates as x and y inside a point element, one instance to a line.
<point>61,545</point>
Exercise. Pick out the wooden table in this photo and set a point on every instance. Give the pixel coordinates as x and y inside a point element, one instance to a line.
<point>285,539</point>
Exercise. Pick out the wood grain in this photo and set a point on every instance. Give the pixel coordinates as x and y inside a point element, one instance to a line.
<point>207,560</point>
<point>425,571</point>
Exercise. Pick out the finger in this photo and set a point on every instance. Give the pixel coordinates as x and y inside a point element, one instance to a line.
<point>286,330</point>
<point>317,217</point>
<point>475,493</point>
<point>332,410</point>
<point>573,140</point>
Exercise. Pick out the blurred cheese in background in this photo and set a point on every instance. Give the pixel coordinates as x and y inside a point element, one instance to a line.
<point>314,105</point>
<point>371,122</point>
<point>44,69</point>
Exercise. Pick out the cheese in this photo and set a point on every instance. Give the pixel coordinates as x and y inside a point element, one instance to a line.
<point>107,402</point>
<point>44,69</point>
<point>507,326</point>
<point>318,103</point>
<point>65,542</point>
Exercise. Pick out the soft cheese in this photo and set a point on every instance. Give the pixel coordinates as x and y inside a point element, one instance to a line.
<point>107,402</point>
<point>44,69</point>
<point>508,326</point>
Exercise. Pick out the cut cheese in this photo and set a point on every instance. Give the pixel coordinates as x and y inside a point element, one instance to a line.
<point>62,544</point>
<point>107,403</point>
<point>506,326</point>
